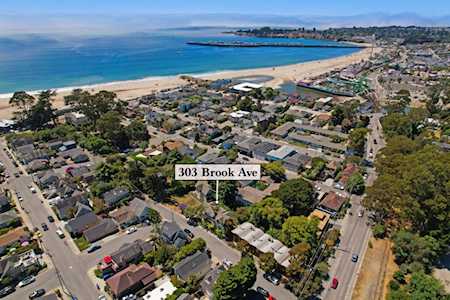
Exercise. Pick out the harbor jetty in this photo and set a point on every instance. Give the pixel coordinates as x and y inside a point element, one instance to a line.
<point>281,45</point>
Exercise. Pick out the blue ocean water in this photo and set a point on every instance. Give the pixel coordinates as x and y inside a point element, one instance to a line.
<point>35,62</point>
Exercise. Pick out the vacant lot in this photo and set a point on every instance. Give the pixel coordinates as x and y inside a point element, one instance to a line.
<point>376,272</point>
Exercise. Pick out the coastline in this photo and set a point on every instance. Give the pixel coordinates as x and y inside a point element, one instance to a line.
<point>134,88</point>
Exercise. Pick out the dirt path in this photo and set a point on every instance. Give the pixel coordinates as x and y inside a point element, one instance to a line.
<point>376,272</point>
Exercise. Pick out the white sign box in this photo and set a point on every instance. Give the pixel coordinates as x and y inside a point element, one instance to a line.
<point>218,172</point>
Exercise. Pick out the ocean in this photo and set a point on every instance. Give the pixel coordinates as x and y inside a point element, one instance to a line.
<point>36,62</point>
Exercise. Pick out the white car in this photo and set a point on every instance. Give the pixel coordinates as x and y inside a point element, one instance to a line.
<point>26,281</point>
<point>131,230</point>
<point>361,213</point>
<point>33,190</point>
<point>227,263</point>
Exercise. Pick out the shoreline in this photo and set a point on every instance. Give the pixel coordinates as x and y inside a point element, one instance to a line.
<point>129,89</point>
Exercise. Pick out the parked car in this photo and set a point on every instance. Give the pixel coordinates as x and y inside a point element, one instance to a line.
<point>131,229</point>
<point>93,248</point>
<point>44,226</point>
<point>26,281</point>
<point>189,233</point>
<point>262,291</point>
<point>51,219</point>
<point>361,213</point>
<point>33,190</point>
<point>227,263</point>
<point>355,257</point>
<point>60,233</point>
<point>6,291</point>
<point>16,175</point>
<point>192,222</point>
<point>273,277</point>
<point>334,283</point>
<point>101,297</point>
<point>37,293</point>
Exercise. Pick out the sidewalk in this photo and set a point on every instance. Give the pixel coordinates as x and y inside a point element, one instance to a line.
<point>97,281</point>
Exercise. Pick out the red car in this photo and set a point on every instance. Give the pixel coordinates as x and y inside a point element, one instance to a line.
<point>334,283</point>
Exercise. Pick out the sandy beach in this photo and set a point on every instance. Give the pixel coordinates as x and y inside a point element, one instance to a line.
<point>135,88</point>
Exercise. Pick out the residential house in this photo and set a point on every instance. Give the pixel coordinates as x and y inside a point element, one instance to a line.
<point>76,119</point>
<point>46,179</point>
<point>281,153</point>
<point>68,145</point>
<point>332,203</point>
<point>197,264</point>
<point>172,234</point>
<point>37,165</point>
<point>348,171</point>
<point>207,158</point>
<point>20,141</point>
<point>261,149</point>
<point>128,253</point>
<point>80,223</point>
<point>114,196</point>
<point>162,291</point>
<point>262,242</point>
<point>246,147</point>
<point>323,218</point>
<point>136,211</point>
<point>297,162</point>
<point>8,217</point>
<point>5,205</point>
<point>72,206</point>
<point>140,209</point>
<point>131,279</point>
<point>104,228</point>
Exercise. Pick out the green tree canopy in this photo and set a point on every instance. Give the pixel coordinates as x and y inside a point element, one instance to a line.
<point>234,283</point>
<point>300,229</point>
<point>355,184</point>
<point>268,213</point>
<point>297,196</point>
<point>409,248</point>
<point>274,170</point>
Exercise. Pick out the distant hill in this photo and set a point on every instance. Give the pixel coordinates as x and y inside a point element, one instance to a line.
<point>103,24</point>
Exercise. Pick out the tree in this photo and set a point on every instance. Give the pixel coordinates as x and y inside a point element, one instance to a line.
<point>300,254</point>
<point>275,170</point>
<point>227,193</point>
<point>137,131</point>
<point>421,286</point>
<point>23,102</point>
<point>410,191</point>
<point>268,213</point>
<point>246,104</point>
<point>236,281</point>
<point>337,115</point>
<point>357,141</point>
<point>154,184</point>
<point>197,244</point>
<point>299,229</point>
<point>409,248</point>
<point>42,111</point>
<point>355,184</point>
<point>112,130</point>
<point>267,262</point>
<point>95,105</point>
<point>297,196</point>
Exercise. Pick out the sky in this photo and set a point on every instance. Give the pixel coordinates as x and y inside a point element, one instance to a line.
<point>289,7</point>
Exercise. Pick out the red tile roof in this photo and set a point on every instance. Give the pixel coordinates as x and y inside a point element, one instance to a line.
<point>131,277</point>
<point>332,201</point>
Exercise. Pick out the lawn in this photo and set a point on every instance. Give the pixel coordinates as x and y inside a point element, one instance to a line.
<point>82,243</point>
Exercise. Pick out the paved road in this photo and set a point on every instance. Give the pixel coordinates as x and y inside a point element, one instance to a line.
<point>72,273</point>
<point>355,232</point>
